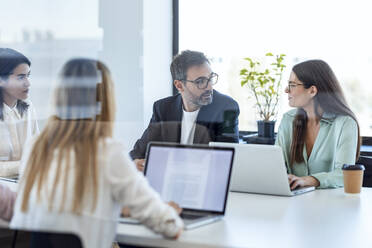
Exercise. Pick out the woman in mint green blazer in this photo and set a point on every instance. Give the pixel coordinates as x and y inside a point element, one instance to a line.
<point>322,133</point>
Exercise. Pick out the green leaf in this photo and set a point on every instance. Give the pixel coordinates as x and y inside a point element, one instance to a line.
<point>243,71</point>
<point>261,82</point>
<point>272,89</point>
<point>269,54</point>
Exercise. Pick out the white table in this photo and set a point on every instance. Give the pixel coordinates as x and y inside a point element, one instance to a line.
<point>323,218</point>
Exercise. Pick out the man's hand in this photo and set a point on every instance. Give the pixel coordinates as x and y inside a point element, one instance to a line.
<point>299,182</point>
<point>140,164</point>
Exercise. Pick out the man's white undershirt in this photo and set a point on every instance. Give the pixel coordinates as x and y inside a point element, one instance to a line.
<point>188,126</point>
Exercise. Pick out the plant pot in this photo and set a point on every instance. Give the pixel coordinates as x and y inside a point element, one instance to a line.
<point>266,129</point>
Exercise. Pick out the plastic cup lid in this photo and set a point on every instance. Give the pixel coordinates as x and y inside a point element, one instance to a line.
<point>353,167</point>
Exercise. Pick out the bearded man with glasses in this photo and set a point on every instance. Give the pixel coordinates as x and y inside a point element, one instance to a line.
<point>198,114</point>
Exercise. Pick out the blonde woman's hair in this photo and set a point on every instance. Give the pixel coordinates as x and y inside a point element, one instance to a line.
<point>84,115</point>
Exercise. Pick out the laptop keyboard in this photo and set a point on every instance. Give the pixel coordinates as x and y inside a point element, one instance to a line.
<point>190,216</point>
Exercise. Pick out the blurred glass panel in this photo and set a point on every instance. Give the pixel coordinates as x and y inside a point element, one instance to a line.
<point>50,33</point>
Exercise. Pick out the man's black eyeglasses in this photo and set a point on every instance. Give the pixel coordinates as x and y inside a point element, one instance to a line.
<point>202,82</point>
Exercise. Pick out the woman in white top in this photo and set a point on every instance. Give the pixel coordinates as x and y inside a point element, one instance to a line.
<point>17,116</point>
<point>77,178</point>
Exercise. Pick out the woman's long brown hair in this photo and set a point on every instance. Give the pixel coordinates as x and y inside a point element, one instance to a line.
<point>329,98</point>
<point>84,115</point>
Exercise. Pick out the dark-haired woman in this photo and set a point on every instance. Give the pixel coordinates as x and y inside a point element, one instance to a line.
<point>322,133</point>
<point>17,116</point>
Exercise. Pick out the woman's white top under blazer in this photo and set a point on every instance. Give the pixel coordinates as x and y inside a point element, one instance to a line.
<point>15,130</point>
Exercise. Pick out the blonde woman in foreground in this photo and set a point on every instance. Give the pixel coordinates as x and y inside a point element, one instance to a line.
<point>77,178</point>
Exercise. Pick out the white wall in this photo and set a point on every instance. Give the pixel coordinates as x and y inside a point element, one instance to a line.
<point>157,38</point>
<point>137,47</point>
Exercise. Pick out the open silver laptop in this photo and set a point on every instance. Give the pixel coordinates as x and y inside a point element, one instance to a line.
<point>196,177</point>
<point>13,179</point>
<point>260,169</point>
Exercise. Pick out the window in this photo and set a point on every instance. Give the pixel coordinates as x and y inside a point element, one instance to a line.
<point>228,31</point>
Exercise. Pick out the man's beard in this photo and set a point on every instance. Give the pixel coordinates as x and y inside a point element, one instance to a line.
<point>204,99</point>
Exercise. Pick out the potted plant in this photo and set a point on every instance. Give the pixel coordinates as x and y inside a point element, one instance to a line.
<point>263,81</point>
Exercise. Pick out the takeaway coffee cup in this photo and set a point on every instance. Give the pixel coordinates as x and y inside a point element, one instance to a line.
<point>353,177</point>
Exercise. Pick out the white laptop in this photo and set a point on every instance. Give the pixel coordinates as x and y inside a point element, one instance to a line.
<point>196,177</point>
<point>13,179</point>
<point>260,169</point>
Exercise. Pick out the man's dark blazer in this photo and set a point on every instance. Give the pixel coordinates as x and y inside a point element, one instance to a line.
<point>217,121</point>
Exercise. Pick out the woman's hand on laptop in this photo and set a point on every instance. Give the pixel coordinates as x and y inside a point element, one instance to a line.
<point>299,182</point>
<point>178,234</point>
<point>140,164</point>
<point>178,210</point>
<point>125,212</point>
<point>175,206</point>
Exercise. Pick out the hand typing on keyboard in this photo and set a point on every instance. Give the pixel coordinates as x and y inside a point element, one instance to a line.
<point>299,182</point>
<point>175,206</point>
<point>125,212</point>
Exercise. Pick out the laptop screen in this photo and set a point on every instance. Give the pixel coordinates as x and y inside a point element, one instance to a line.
<point>195,177</point>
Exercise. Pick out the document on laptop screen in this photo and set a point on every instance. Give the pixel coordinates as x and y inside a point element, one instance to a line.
<point>193,178</point>
<point>188,179</point>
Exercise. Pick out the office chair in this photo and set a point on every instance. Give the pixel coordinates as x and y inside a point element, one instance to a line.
<point>367,177</point>
<point>50,240</point>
